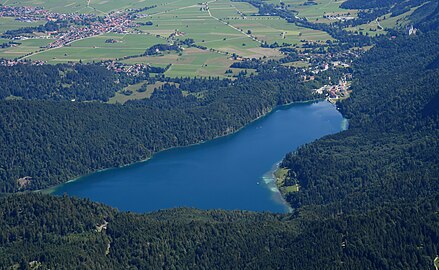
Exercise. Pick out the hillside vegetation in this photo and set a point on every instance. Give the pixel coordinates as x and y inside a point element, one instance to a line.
<point>368,197</point>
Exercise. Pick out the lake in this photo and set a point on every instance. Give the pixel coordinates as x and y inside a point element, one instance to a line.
<point>232,172</point>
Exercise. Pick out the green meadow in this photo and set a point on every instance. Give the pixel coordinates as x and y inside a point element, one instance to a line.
<point>26,47</point>
<point>192,62</point>
<point>226,28</point>
<point>96,49</point>
<point>315,12</point>
<point>7,23</point>
<point>386,21</point>
<point>81,6</point>
<point>121,98</point>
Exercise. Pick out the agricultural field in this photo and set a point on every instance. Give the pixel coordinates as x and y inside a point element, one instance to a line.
<point>316,12</point>
<point>98,7</point>
<point>204,29</point>
<point>7,23</point>
<point>96,48</point>
<point>386,21</point>
<point>274,29</point>
<point>192,62</point>
<point>227,30</point>
<point>27,46</point>
<point>122,97</point>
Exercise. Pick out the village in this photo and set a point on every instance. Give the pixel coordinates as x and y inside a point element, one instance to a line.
<point>80,25</point>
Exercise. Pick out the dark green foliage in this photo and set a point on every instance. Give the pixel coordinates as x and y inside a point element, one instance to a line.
<point>367,4</point>
<point>49,26</point>
<point>336,31</point>
<point>390,152</point>
<point>53,142</point>
<point>60,233</point>
<point>369,197</point>
<point>160,48</point>
<point>426,17</point>
<point>53,231</point>
<point>60,82</point>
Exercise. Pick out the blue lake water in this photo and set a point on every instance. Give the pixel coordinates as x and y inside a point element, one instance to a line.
<point>232,172</point>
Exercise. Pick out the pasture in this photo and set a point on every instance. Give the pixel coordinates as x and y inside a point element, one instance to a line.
<point>7,23</point>
<point>96,48</point>
<point>26,47</point>
<point>315,12</point>
<point>192,62</point>
<point>386,21</point>
<point>121,98</point>
<point>224,27</point>
<point>98,7</point>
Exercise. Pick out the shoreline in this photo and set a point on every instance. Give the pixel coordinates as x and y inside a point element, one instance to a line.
<point>53,189</point>
<point>270,179</point>
<point>279,180</point>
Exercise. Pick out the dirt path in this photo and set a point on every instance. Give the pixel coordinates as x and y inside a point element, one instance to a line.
<point>228,24</point>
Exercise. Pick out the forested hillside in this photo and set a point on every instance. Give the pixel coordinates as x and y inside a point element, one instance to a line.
<point>65,233</point>
<point>49,142</point>
<point>368,197</point>
<point>59,82</point>
<point>390,152</point>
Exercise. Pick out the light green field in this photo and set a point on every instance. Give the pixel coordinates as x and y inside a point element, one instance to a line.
<point>225,9</point>
<point>226,28</point>
<point>385,21</point>
<point>27,46</point>
<point>315,12</point>
<point>95,48</point>
<point>281,174</point>
<point>81,6</point>
<point>7,23</point>
<point>275,29</point>
<point>122,98</point>
<point>205,31</point>
<point>299,64</point>
<point>192,62</point>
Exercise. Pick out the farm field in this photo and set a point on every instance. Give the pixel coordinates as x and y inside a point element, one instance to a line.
<point>226,29</point>
<point>274,29</point>
<point>385,21</point>
<point>7,23</point>
<point>122,98</point>
<point>204,30</point>
<point>98,7</point>
<point>27,46</point>
<point>96,49</point>
<point>316,12</point>
<point>192,62</point>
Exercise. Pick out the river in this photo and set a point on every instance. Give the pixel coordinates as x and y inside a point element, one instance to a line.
<point>232,172</point>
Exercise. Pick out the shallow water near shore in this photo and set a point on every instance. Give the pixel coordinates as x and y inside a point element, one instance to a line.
<point>232,172</point>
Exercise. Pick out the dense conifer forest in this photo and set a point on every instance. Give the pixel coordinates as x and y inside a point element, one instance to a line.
<point>59,82</point>
<point>50,142</point>
<point>368,197</point>
<point>390,151</point>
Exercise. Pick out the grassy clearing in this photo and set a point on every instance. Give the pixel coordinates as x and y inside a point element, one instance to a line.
<point>27,46</point>
<point>316,12</point>
<point>281,175</point>
<point>81,6</point>
<point>192,62</point>
<point>275,29</point>
<point>385,21</point>
<point>122,98</point>
<point>7,23</point>
<point>198,63</point>
<point>299,64</point>
<point>96,49</point>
